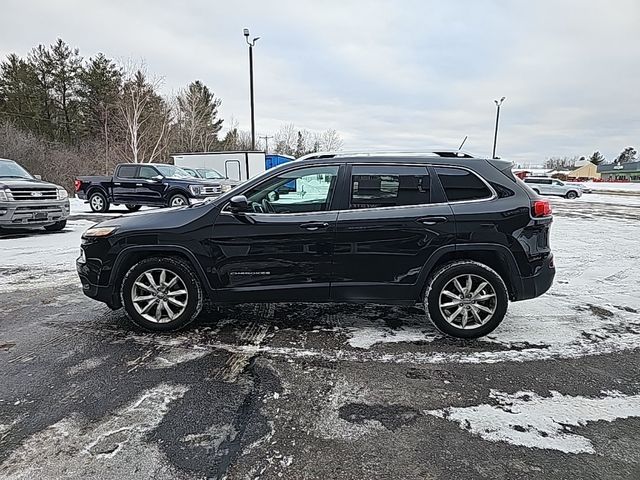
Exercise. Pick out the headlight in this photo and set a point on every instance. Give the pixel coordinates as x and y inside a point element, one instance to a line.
<point>94,232</point>
<point>62,194</point>
<point>226,188</point>
<point>3,196</point>
<point>195,190</point>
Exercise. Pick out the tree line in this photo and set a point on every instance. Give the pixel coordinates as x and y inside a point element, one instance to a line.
<point>629,154</point>
<point>62,115</point>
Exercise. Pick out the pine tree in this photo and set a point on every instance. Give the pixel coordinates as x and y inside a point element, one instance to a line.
<point>596,158</point>
<point>198,122</point>
<point>627,155</point>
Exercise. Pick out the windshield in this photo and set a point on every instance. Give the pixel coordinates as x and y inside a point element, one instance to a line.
<point>210,173</point>
<point>172,171</point>
<point>13,170</point>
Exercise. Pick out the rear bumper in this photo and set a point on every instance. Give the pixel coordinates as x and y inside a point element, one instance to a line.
<point>539,283</point>
<point>30,213</point>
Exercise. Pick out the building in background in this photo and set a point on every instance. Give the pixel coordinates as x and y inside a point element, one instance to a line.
<point>620,172</point>
<point>587,171</point>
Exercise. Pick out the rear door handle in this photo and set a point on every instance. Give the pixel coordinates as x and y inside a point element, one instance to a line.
<point>432,220</point>
<point>138,184</point>
<point>312,226</point>
<point>117,184</point>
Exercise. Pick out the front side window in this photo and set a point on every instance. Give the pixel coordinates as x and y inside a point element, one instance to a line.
<point>147,172</point>
<point>302,190</point>
<point>375,186</point>
<point>462,185</point>
<point>171,171</point>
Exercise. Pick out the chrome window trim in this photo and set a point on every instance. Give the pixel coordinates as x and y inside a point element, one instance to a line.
<point>493,196</point>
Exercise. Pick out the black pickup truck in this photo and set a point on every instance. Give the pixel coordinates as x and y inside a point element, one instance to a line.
<point>152,184</point>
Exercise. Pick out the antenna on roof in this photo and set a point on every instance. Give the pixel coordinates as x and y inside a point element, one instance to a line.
<point>465,139</point>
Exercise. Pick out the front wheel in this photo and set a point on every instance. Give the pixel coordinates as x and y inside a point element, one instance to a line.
<point>571,195</point>
<point>161,294</point>
<point>178,200</point>
<point>98,202</point>
<point>133,208</point>
<point>466,299</point>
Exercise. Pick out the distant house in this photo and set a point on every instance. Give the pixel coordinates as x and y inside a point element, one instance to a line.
<point>621,172</point>
<point>587,171</point>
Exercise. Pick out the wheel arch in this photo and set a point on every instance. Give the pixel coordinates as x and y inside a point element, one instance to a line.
<point>171,191</point>
<point>497,257</point>
<point>132,255</point>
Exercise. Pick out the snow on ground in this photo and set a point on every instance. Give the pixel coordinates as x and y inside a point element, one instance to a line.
<point>530,420</point>
<point>633,187</point>
<point>36,259</point>
<point>80,207</point>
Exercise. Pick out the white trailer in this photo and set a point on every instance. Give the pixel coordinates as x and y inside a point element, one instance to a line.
<point>237,165</point>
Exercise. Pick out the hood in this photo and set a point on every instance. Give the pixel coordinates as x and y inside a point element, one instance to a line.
<point>149,221</point>
<point>25,183</point>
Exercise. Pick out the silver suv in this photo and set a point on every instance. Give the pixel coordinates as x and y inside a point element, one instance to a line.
<point>28,202</point>
<point>553,186</point>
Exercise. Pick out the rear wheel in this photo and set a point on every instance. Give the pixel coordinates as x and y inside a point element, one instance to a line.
<point>571,195</point>
<point>161,294</point>
<point>98,202</point>
<point>466,299</point>
<point>133,208</point>
<point>56,227</point>
<point>178,200</point>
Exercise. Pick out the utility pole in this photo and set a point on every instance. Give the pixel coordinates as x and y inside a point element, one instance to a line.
<point>253,121</point>
<point>495,135</point>
<point>266,142</point>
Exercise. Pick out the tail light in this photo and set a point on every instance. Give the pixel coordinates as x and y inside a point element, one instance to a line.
<point>77,184</point>
<point>541,208</point>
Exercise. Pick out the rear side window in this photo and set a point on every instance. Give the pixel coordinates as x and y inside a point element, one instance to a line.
<point>462,185</point>
<point>540,181</point>
<point>375,186</point>
<point>127,171</point>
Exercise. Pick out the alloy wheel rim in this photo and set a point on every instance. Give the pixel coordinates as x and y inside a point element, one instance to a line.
<point>159,295</point>
<point>177,202</point>
<point>468,301</point>
<point>96,201</point>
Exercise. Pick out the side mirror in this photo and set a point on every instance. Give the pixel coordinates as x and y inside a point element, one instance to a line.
<point>38,177</point>
<point>239,204</point>
<point>157,178</point>
<point>273,196</point>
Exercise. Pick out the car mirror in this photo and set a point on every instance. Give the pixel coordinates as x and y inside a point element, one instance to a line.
<point>273,196</point>
<point>38,177</point>
<point>157,178</point>
<point>239,204</point>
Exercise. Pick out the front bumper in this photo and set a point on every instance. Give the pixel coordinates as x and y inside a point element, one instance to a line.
<point>33,213</point>
<point>539,283</point>
<point>103,294</point>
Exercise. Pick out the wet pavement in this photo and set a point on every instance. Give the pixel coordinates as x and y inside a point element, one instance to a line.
<point>331,391</point>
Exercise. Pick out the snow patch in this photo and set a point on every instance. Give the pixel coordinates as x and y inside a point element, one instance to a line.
<point>75,448</point>
<point>529,420</point>
<point>366,337</point>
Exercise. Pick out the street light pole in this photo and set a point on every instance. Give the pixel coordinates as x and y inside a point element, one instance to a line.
<point>253,120</point>
<point>495,135</point>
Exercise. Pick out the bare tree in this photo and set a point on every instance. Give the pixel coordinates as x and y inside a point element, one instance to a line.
<point>329,141</point>
<point>145,117</point>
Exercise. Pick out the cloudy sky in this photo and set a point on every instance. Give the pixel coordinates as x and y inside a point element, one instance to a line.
<point>386,74</point>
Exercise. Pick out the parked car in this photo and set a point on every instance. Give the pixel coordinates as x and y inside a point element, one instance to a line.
<point>211,174</point>
<point>553,186</point>
<point>135,185</point>
<point>462,236</point>
<point>28,202</point>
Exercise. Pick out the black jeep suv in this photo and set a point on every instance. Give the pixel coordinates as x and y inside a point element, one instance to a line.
<point>460,235</point>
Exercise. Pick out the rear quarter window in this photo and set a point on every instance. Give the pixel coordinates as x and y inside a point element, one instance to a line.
<point>462,185</point>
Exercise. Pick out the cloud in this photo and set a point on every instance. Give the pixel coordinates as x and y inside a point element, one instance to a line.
<point>385,74</point>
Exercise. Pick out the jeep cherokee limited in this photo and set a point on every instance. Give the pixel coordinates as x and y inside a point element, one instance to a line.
<point>458,234</point>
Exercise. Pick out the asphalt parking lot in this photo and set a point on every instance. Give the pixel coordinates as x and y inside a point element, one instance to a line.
<point>327,391</point>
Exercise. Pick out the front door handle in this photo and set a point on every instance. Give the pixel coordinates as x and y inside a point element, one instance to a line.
<point>432,220</point>
<point>138,184</point>
<point>312,226</point>
<point>117,184</point>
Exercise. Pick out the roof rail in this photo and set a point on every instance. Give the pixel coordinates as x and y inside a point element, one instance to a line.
<point>439,152</point>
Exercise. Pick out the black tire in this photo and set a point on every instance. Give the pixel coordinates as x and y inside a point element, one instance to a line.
<point>443,276</point>
<point>133,208</point>
<point>178,200</point>
<point>56,227</point>
<point>98,202</point>
<point>184,271</point>
<point>571,195</point>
